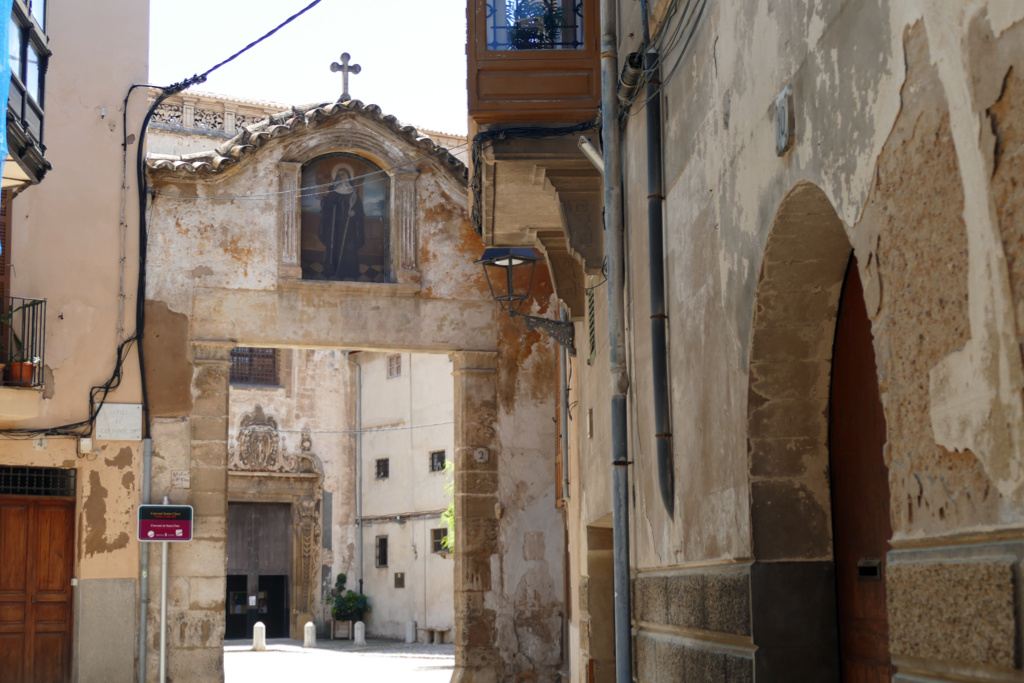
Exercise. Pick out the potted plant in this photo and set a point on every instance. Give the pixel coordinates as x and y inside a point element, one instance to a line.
<point>346,607</point>
<point>22,367</point>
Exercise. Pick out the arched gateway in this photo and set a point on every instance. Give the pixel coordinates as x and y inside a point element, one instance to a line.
<point>231,262</point>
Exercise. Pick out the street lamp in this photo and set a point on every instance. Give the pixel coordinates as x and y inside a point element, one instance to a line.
<point>509,272</point>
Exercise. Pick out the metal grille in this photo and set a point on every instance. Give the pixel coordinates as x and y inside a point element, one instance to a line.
<point>383,468</point>
<point>382,551</point>
<point>437,461</point>
<point>534,24</point>
<point>591,326</point>
<point>37,481</point>
<point>254,366</point>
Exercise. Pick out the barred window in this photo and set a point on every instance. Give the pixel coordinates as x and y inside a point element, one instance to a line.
<point>437,461</point>
<point>382,551</point>
<point>394,366</point>
<point>254,366</point>
<point>37,481</point>
<point>383,468</point>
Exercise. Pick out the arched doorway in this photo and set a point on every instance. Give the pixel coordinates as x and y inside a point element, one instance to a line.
<point>796,621</point>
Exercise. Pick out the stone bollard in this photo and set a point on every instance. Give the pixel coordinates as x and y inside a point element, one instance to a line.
<point>259,637</point>
<point>360,633</point>
<point>309,635</point>
<point>410,631</point>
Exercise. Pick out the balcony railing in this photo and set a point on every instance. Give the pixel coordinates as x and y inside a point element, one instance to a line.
<point>23,340</point>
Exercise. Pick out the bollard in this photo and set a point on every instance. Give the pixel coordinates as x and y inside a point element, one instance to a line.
<point>309,635</point>
<point>259,637</point>
<point>410,631</point>
<point>360,633</point>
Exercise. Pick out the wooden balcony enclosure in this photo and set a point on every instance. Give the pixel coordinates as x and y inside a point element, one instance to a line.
<point>533,61</point>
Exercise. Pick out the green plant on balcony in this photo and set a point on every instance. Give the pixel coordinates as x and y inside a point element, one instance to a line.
<point>23,363</point>
<point>534,24</point>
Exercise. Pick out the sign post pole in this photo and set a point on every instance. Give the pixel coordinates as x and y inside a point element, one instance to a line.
<point>163,609</point>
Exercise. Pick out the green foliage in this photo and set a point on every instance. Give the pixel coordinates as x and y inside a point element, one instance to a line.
<point>7,320</point>
<point>448,516</point>
<point>347,605</point>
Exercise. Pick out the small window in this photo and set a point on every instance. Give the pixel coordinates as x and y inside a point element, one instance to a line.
<point>254,366</point>
<point>437,537</point>
<point>399,579</point>
<point>383,468</point>
<point>382,551</point>
<point>394,366</point>
<point>437,461</point>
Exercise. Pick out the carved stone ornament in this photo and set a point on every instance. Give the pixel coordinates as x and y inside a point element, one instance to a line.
<point>259,447</point>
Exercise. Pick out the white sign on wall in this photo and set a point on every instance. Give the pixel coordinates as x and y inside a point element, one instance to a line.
<point>119,422</point>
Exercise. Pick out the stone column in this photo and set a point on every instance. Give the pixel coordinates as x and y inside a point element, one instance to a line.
<point>406,210</point>
<point>196,570</point>
<point>476,523</point>
<point>290,220</point>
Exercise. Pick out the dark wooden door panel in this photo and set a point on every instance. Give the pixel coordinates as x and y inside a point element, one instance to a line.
<point>36,546</point>
<point>860,493</point>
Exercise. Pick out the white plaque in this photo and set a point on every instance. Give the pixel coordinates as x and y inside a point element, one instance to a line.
<point>181,479</point>
<point>119,422</point>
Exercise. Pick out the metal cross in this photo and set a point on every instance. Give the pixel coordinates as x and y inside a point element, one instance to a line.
<point>345,70</point>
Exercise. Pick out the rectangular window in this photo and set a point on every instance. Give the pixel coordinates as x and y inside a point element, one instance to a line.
<point>534,24</point>
<point>437,537</point>
<point>399,579</point>
<point>382,551</point>
<point>254,366</point>
<point>383,468</point>
<point>394,366</point>
<point>37,481</point>
<point>437,461</point>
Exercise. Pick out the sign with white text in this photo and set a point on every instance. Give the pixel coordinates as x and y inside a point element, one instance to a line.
<point>165,522</point>
<point>119,422</point>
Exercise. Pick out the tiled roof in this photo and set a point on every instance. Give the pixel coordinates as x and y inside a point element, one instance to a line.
<point>250,138</point>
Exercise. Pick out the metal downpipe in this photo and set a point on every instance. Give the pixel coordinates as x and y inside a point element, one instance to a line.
<point>617,333</point>
<point>359,462</point>
<point>656,269</point>
<point>147,467</point>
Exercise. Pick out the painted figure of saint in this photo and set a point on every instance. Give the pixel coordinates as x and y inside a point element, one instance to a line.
<point>342,227</point>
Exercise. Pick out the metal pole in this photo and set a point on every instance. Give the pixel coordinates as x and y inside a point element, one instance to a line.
<point>618,376</point>
<point>163,608</point>
<point>147,464</point>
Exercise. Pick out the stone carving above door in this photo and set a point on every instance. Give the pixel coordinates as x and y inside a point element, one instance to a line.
<point>258,445</point>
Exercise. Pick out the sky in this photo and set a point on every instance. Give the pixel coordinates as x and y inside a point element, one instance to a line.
<point>412,53</point>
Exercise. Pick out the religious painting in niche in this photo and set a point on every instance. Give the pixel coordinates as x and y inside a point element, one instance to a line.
<point>345,221</point>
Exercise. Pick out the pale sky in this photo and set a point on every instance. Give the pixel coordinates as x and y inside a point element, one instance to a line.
<point>412,53</point>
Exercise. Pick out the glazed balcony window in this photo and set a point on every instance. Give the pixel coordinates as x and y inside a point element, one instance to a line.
<point>535,24</point>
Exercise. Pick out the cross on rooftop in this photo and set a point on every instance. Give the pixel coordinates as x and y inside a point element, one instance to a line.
<point>345,70</point>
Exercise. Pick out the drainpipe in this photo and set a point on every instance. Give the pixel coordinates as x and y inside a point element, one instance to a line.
<point>566,582</point>
<point>656,270</point>
<point>147,466</point>
<point>617,334</point>
<point>359,462</point>
<point>564,357</point>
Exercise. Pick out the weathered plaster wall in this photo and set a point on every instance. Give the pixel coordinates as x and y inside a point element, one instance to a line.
<point>907,123</point>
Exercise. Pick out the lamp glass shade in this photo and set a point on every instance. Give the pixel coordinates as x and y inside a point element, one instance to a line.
<point>509,274</point>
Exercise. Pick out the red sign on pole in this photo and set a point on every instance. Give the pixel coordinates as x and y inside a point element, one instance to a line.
<point>165,522</point>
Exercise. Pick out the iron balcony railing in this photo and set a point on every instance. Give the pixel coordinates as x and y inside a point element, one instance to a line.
<point>23,340</point>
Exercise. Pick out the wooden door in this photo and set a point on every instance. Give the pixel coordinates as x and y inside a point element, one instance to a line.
<point>259,545</point>
<point>36,554</point>
<point>860,493</point>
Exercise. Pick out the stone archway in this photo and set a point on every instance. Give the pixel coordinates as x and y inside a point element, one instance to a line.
<point>223,274</point>
<point>793,599</point>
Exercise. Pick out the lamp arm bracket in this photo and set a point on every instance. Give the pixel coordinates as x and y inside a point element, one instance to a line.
<point>562,332</point>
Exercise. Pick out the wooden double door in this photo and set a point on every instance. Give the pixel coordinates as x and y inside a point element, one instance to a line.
<point>259,569</point>
<point>36,562</point>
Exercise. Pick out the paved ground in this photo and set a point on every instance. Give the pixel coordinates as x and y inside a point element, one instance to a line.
<point>379,661</point>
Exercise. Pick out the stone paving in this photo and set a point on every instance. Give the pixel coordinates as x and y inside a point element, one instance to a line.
<point>379,661</point>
